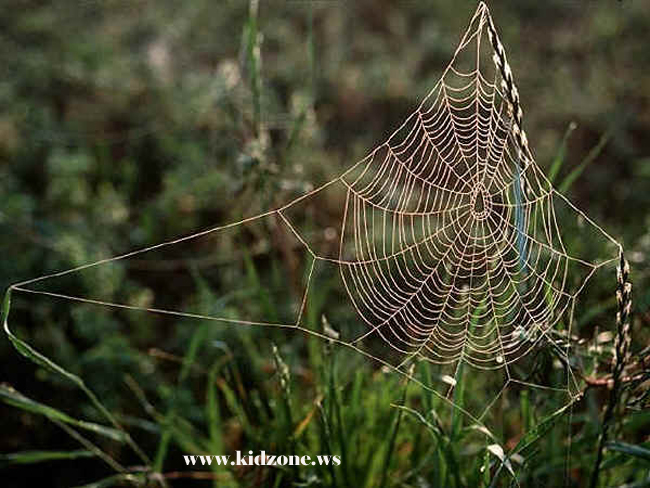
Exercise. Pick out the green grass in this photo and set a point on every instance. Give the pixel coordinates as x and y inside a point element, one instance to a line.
<point>387,430</point>
<point>107,153</point>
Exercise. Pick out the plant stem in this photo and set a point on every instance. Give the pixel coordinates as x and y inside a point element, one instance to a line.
<point>621,351</point>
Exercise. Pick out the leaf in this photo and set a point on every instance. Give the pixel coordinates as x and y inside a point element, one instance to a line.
<point>483,430</point>
<point>212,412</point>
<point>541,428</point>
<point>170,423</point>
<point>116,480</point>
<point>497,451</point>
<point>633,450</point>
<point>593,154</point>
<point>530,438</point>
<point>445,447</point>
<point>31,457</point>
<point>459,381</point>
<point>561,153</point>
<point>36,357</point>
<point>302,425</point>
<point>29,352</point>
<point>390,448</point>
<point>16,399</point>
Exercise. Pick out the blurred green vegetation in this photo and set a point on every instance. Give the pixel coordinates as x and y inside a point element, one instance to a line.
<point>128,123</point>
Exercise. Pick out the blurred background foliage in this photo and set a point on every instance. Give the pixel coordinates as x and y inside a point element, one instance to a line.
<point>127,123</point>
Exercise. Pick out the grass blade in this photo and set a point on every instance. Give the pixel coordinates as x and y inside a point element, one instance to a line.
<point>170,419</point>
<point>445,446</point>
<point>591,156</point>
<point>636,451</point>
<point>116,480</point>
<point>33,457</point>
<point>393,438</point>
<point>561,153</point>
<point>16,399</point>
<point>459,385</point>
<point>541,429</point>
<point>33,355</point>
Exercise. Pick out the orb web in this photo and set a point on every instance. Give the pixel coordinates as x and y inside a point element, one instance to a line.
<point>451,248</point>
<point>448,246</point>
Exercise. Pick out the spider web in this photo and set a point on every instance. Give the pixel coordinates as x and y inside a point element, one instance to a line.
<point>448,246</point>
